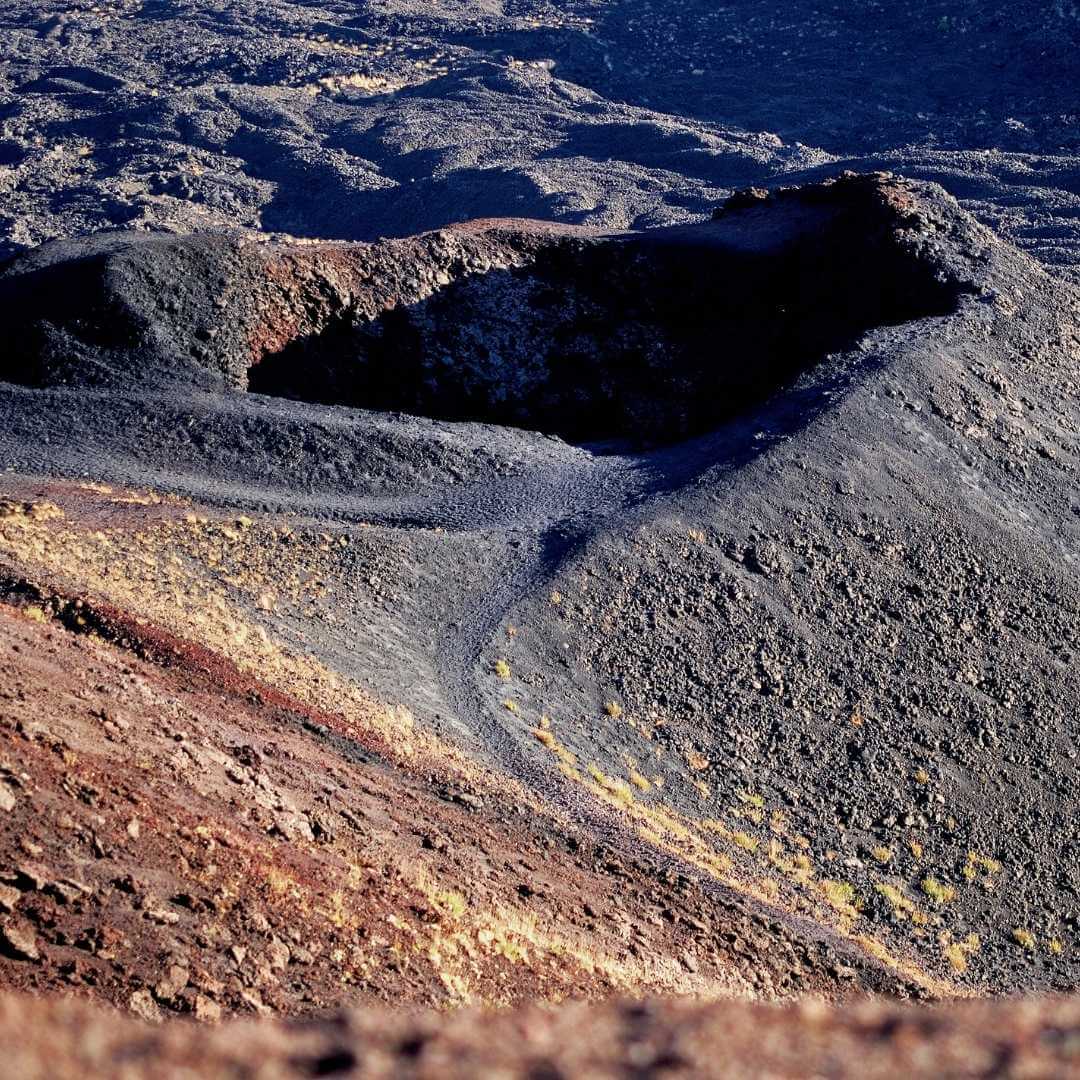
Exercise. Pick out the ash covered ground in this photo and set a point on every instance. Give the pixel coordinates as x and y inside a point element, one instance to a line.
<point>691,541</point>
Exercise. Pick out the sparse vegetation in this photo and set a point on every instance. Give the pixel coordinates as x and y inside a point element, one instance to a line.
<point>902,906</point>
<point>502,670</point>
<point>745,841</point>
<point>617,789</point>
<point>1024,938</point>
<point>957,952</point>
<point>976,863</point>
<point>449,903</point>
<point>937,891</point>
<point>840,894</point>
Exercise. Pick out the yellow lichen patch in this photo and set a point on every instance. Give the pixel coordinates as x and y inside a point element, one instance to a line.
<point>29,512</point>
<point>449,903</point>
<point>981,868</point>
<point>798,866</point>
<point>618,790</point>
<point>511,706</point>
<point>1024,938</point>
<point>841,895</point>
<point>566,758</point>
<point>769,887</point>
<point>957,952</point>
<point>939,892</point>
<point>502,669</point>
<point>903,907</point>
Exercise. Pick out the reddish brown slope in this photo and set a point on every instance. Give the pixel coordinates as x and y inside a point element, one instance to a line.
<point>179,836</point>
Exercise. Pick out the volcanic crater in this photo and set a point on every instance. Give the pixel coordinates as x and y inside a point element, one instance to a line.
<point>645,338</point>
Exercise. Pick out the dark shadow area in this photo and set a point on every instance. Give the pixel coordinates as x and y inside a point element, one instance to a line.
<point>651,337</point>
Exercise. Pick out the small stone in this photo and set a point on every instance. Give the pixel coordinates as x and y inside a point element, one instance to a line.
<point>133,828</point>
<point>206,1010</point>
<point>300,955</point>
<point>9,897</point>
<point>252,999</point>
<point>28,877</point>
<point>162,916</point>
<point>7,798</point>
<point>239,954</point>
<point>19,940</point>
<point>237,775</point>
<point>278,953</point>
<point>259,922</point>
<point>67,891</point>
<point>176,978</point>
<point>144,1006</point>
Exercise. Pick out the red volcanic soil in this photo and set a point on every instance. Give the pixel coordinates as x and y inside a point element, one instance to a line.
<point>180,837</point>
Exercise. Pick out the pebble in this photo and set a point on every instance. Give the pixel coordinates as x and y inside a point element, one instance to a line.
<point>176,978</point>
<point>19,940</point>
<point>144,1006</point>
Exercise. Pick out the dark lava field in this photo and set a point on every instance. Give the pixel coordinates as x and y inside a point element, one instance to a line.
<point>643,438</point>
